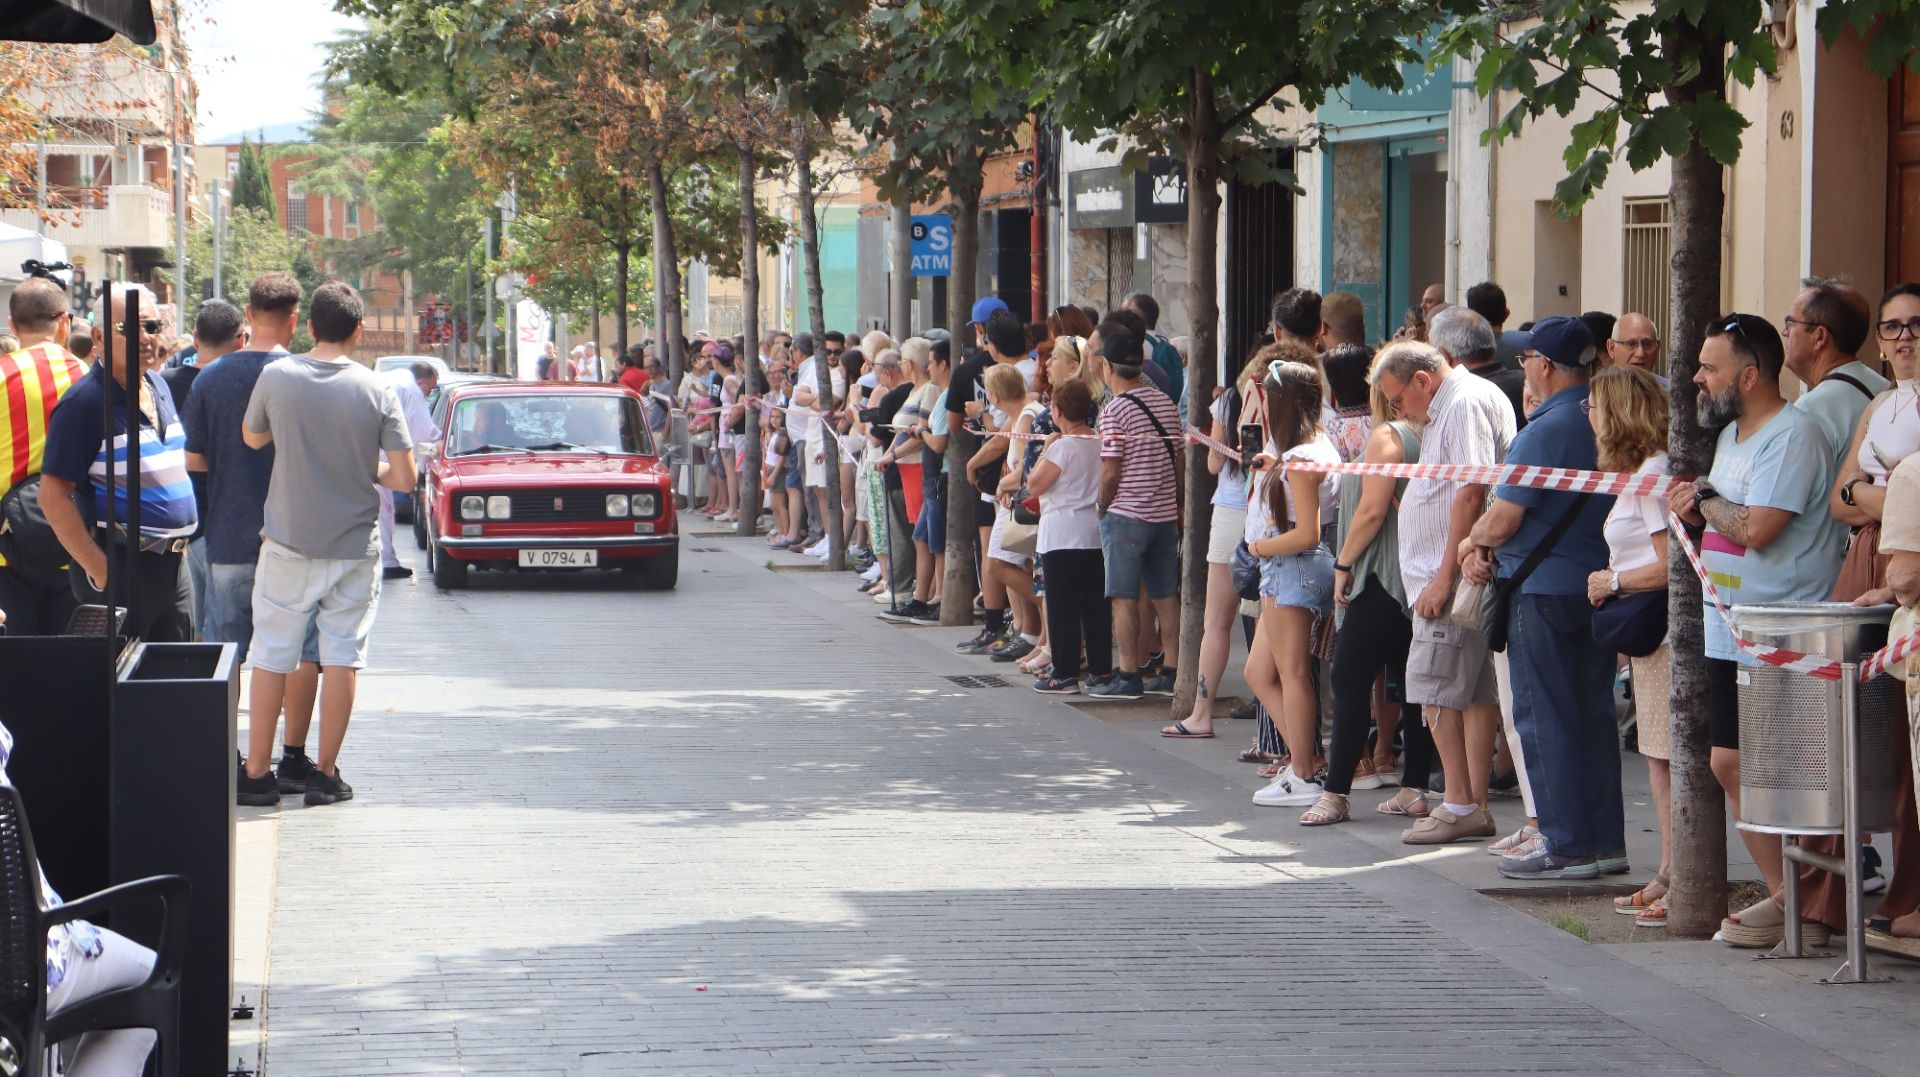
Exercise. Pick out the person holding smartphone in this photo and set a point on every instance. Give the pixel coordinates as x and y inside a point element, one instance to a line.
<point>1237,415</point>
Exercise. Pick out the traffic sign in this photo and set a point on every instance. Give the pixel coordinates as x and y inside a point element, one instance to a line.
<point>932,245</point>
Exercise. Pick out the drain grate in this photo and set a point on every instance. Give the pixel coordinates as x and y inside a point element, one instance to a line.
<point>980,680</point>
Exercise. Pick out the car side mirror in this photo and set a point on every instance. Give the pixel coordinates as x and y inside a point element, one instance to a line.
<point>427,448</point>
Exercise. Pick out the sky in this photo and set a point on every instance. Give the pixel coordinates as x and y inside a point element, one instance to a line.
<point>258,63</point>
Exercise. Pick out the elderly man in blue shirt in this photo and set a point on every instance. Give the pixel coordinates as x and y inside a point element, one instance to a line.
<point>1562,679</point>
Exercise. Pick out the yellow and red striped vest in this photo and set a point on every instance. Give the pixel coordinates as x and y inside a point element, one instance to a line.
<point>32,381</point>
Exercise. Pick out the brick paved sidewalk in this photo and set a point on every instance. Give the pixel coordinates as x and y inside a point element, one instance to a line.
<point>607,833</point>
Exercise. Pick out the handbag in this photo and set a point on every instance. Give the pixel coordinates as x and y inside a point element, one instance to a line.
<point>1246,572</point>
<point>1634,625</point>
<point>1496,608</point>
<point>1021,539</point>
<point>27,540</point>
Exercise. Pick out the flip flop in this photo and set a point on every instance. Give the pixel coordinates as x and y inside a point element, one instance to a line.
<point>1179,731</point>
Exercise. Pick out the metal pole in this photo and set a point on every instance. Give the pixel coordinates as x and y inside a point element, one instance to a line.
<point>488,365</point>
<point>1855,970</point>
<point>179,206</point>
<point>219,230</point>
<point>136,378</point>
<point>469,304</point>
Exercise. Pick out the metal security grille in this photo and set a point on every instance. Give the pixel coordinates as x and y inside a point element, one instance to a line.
<point>568,506</point>
<point>1648,254</point>
<point>1119,266</point>
<point>981,680</point>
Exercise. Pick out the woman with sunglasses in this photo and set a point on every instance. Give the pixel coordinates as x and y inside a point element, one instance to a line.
<point>1888,432</point>
<point>1284,512</point>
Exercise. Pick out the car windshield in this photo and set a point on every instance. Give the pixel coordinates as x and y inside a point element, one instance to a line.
<point>556,423</point>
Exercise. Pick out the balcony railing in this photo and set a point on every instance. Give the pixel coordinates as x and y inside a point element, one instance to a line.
<point>124,215</point>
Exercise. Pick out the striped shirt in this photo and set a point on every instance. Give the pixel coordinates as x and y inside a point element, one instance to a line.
<point>1147,492</point>
<point>32,381</point>
<point>1471,423</point>
<point>77,448</point>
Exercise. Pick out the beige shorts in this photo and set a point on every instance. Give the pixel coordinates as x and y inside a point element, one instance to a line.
<point>1229,526</point>
<point>1449,666</point>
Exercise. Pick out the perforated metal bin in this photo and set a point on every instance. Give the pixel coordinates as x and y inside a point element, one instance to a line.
<point>1792,738</point>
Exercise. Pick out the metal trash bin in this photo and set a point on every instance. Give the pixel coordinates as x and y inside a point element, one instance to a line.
<point>1791,736</point>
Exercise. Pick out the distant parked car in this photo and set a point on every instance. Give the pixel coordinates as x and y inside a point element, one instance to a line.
<point>546,477</point>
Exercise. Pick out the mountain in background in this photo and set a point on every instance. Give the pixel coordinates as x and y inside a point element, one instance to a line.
<point>297,131</point>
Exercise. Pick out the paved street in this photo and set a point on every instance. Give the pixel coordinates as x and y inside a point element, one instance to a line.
<point>747,828</point>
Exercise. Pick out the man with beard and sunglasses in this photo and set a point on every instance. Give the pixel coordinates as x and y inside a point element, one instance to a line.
<point>1768,538</point>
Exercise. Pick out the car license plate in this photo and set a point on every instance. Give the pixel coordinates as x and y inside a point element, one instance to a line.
<point>559,558</point>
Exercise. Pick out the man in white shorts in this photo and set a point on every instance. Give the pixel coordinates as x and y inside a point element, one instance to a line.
<point>1468,421</point>
<point>329,419</point>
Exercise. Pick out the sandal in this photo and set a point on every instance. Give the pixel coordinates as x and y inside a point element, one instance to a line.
<point>1179,731</point>
<point>1273,769</point>
<point>1040,657</point>
<point>1255,755</point>
<point>1654,915</point>
<point>1331,808</point>
<point>1882,940</point>
<point>1640,900</point>
<point>1417,808</point>
<point>1764,923</point>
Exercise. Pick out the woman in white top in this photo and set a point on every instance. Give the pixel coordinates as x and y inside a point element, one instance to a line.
<point>1242,405</point>
<point>1007,392</point>
<point>1284,512</point>
<point>1628,409</point>
<point>1067,482</point>
<point>1888,433</point>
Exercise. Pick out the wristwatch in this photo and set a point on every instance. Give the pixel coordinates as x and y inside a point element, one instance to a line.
<point>1613,583</point>
<point>1846,491</point>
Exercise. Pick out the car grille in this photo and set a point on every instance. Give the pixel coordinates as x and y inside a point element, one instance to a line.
<point>565,506</point>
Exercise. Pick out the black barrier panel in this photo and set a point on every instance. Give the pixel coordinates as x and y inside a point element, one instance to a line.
<point>173,788</point>
<point>54,695</point>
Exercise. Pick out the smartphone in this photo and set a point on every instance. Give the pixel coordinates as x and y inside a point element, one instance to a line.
<point>1251,438</point>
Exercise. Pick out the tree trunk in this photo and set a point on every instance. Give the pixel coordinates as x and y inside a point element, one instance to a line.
<point>962,575</point>
<point>1203,301</point>
<point>749,521</point>
<point>900,287</point>
<point>1698,897</point>
<point>817,323</point>
<point>666,274</point>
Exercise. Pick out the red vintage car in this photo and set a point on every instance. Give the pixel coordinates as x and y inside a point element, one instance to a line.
<point>547,477</point>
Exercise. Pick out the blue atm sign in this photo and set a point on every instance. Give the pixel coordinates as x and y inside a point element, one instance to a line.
<point>932,251</point>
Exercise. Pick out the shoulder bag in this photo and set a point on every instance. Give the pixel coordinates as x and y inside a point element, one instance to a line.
<point>1498,610</point>
<point>27,540</point>
<point>1634,625</point>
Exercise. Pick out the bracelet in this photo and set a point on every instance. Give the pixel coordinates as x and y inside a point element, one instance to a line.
<point>1338,567</point>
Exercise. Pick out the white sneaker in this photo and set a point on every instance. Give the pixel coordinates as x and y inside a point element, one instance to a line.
<point>816,549</point>
<point>872,575</point>
<point>1288,790</point>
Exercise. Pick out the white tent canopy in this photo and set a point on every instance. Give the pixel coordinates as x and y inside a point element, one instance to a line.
<point>17,245</point>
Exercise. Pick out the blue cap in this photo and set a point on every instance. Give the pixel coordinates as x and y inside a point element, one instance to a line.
<point>1566,341</point>
<point>1517,340</point>
<point>984,308</point>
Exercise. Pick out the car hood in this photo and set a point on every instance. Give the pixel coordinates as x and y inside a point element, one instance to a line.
<point>553,468</point>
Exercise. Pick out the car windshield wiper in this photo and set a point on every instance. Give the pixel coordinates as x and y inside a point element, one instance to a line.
<point>491,448</point>
<point>568,446</point>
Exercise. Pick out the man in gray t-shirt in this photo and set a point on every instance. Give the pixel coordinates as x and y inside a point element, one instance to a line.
<point>328,418</point>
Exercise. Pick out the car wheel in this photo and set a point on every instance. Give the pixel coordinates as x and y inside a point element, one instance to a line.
<point>419,525</point>
<point>661,571</point>
<point>448,574</point>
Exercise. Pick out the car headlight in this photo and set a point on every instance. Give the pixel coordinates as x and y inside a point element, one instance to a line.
<point>499,507</point>
<point>473,507</point>
<point>618,505</point>
<point>645,504</point>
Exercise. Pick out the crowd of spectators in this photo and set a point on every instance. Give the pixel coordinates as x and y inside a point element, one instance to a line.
<point>1450,642</point>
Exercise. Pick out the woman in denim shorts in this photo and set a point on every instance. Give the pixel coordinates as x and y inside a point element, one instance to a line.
<point>1284,513</point>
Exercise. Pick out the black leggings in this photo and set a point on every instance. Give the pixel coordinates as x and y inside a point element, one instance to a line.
<point>1078,611</point>
<point>1375,636</point>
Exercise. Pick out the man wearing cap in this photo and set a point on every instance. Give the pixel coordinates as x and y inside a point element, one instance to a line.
<point>1562,679</point>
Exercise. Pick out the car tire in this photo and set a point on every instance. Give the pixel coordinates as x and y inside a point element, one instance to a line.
<point>661,571</point>
<point>419,525</point>
<point>449,574</point>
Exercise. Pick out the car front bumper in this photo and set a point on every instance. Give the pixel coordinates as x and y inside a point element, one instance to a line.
<point>508,547</point>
